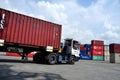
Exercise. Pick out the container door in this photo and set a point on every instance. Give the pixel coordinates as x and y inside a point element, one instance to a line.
<point>2,22</point>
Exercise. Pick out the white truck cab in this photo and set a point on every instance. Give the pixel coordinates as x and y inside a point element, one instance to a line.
<point>73,47</point>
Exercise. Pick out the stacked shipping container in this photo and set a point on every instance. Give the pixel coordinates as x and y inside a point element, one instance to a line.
<point>106,53</point>
<point>85,52</point>
<point>82,52</point>
<point>88,50</point>
<point>97,49</point>
<point>114,53</point>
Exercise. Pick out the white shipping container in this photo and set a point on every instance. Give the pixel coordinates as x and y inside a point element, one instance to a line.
<point>115,57</point>
<point>106,53</point>
<point>106,47</point>
<point>107,58</point>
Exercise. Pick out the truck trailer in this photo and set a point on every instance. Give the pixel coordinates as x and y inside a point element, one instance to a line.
<point>24,34</point>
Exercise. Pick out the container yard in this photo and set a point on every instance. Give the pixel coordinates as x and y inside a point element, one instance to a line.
<point>25,36</point>
<point>25,41</point>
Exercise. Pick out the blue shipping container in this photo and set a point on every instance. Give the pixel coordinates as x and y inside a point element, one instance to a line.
<point>85,56</point>
<point>88,47</point>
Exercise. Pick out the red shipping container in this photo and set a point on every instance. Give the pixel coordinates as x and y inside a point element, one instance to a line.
<point>97,42</point>
<point>82,47</point>
<point>95,47</point>
<point>28,31</point>
<point>114,48</point>
<point>98,52</point>
<point>89,53</point>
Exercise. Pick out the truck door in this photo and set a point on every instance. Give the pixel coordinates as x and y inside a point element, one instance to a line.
<point>75,49</point>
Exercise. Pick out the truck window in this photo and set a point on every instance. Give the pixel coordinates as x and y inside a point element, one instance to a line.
<point>75,45</point>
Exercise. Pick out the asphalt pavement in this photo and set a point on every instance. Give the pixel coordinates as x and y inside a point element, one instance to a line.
<point>12,68</point>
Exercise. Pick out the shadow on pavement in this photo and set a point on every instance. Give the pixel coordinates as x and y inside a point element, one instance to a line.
<point>6,73</point>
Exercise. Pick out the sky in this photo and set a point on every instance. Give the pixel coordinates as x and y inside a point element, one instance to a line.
<point>82,20</point>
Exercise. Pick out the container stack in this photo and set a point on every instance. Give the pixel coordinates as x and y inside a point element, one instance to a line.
<point>88,50</point>
<point>85,52</point>
<point>114,53</point>
<point>106,53</point>
<point>97,50</point>
<point>82,52</point>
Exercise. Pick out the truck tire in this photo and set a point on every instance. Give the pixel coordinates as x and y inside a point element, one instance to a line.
<point>52,58</point>
<point>72,60</point>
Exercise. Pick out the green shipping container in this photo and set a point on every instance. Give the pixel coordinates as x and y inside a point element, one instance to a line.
<point>98,58</point>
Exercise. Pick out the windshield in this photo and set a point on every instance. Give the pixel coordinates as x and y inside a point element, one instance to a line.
<point>75,45</point>
<point>68,43</point>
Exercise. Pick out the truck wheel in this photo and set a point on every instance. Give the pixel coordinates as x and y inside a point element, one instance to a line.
<point>72,60</point>
<point>52,58</point>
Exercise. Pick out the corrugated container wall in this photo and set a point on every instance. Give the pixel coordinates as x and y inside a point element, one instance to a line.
<point>26,30</point>
<point>114,53</point>
<point>106,53</point>
<point>85,52</point>
<point>82,47</point>
<point>97,42</point>
<point>85,56</point>
<point>114,48</point>
<point>97,49</point>
<point>115,58</point>
<point>88,47</point>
